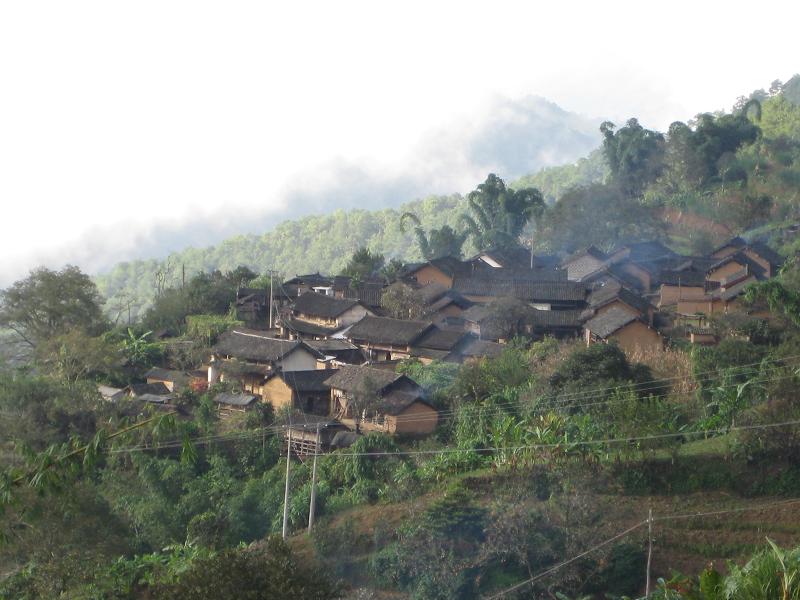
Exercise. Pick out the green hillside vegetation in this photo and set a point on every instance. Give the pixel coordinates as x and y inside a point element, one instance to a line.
<point>548,459</point>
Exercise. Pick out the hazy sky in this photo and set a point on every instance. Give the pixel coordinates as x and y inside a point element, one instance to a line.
<point>115,114</point>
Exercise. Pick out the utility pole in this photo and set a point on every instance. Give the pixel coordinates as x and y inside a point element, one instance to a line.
<point>313,506</point>
<point>270,298</point>
<point>286,490</point>
<point>649,551</point>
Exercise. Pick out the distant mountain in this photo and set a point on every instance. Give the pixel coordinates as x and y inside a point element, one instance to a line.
<point>508,137</point>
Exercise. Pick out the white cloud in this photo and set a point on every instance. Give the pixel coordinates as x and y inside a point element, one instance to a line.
<point>114,116</point>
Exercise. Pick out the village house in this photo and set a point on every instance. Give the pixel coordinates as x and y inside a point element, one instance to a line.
<point>394,403</point>
<point>441,302</point>
<point>335,352</point>
<point>542,295</point>
<point>769,260</point>
<point>471,349</point>
<point>249,356</point>
<point>316,316</point>
<point>313,434</point>
<point>435,344</point>
<point>677,286</point>
<point>252,307</point>
<point>735,266</point>
<point>302,390</point>
<point>626,329</point>
<point>584,263</point>
<point>439,270</point>
<point>229,404</point>
<point>603,299</point>
<point>176,381</point>
<point>514,258</point>
<point>384,338</point>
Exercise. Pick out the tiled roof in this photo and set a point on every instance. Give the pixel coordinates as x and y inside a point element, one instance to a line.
<point>612,320</point>
<point>306,381</point>
<point>320,305</point>
<point>475,348</point>
<point>355,378</point>
<point>553,319</point>
<point>384,330</point>
<point>439,339</point>
<point>742,259</point>
<point>248,344</point>
<point>235,399</point>
<point>449,265</point>
<point>767,253</point>
<point>534,291</point>
<point>592,251</point>
<point>306,328</point>
<point>178,377</point>
<point>687,278</point>
<point>396,401</point>
<point>604,295</point>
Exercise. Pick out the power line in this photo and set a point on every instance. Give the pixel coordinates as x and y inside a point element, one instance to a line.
<point>554,568</point>
<point>650,519</point>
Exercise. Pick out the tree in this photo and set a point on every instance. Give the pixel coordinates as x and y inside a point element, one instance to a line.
<point>139,351</point>
<point>264,573</point>
<point>48,303</point>
<point>362,399</point>
<point>444,241</point>
<point>363,264</point>
<point>76,355</point>
<point>400,301</point>
<point>634,155</point>
<point>597,215</point>
<point>499,214</point>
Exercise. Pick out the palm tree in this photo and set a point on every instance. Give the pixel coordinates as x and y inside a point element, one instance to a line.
<point>499,214</point>
<point>444,241</point>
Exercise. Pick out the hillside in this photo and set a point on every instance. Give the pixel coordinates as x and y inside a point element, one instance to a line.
<point>323,243</point>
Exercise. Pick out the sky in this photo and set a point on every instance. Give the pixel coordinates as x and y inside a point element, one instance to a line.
<point>120,122</point>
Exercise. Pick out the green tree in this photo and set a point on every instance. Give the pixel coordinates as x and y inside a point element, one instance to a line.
<point>363,264</point>
<point>48,303</point>
<point>499,214</point>
<point>444,241</point>
<point>634,155</point>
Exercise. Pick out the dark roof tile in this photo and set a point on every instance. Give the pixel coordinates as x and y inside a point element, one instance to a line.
<point>384,330</point>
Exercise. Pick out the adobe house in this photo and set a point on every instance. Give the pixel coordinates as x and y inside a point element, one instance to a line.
<point>721,300</point>
<point>735,265</point>
<point>441,302</point>
<point>153,393</point>
<point>175,381</point>
<point>302,390</point>
<point>399,405</point>
<point>620,326</point>
<point>603,299</point>
<point>483,321</point>
<point>229,404</point>
<point>517,258</point>
<point>584,263</point>
<point>439,270</point>
<point>436,344</point>
<point>641,252</point>
<point>702,336</point>
<point>543,295</point>
<point>677,286</point>
<point>383,338</point>
<point>318,316</point>
<point>732,246</point>
<point>250,356</point>
<point>336,352</point>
